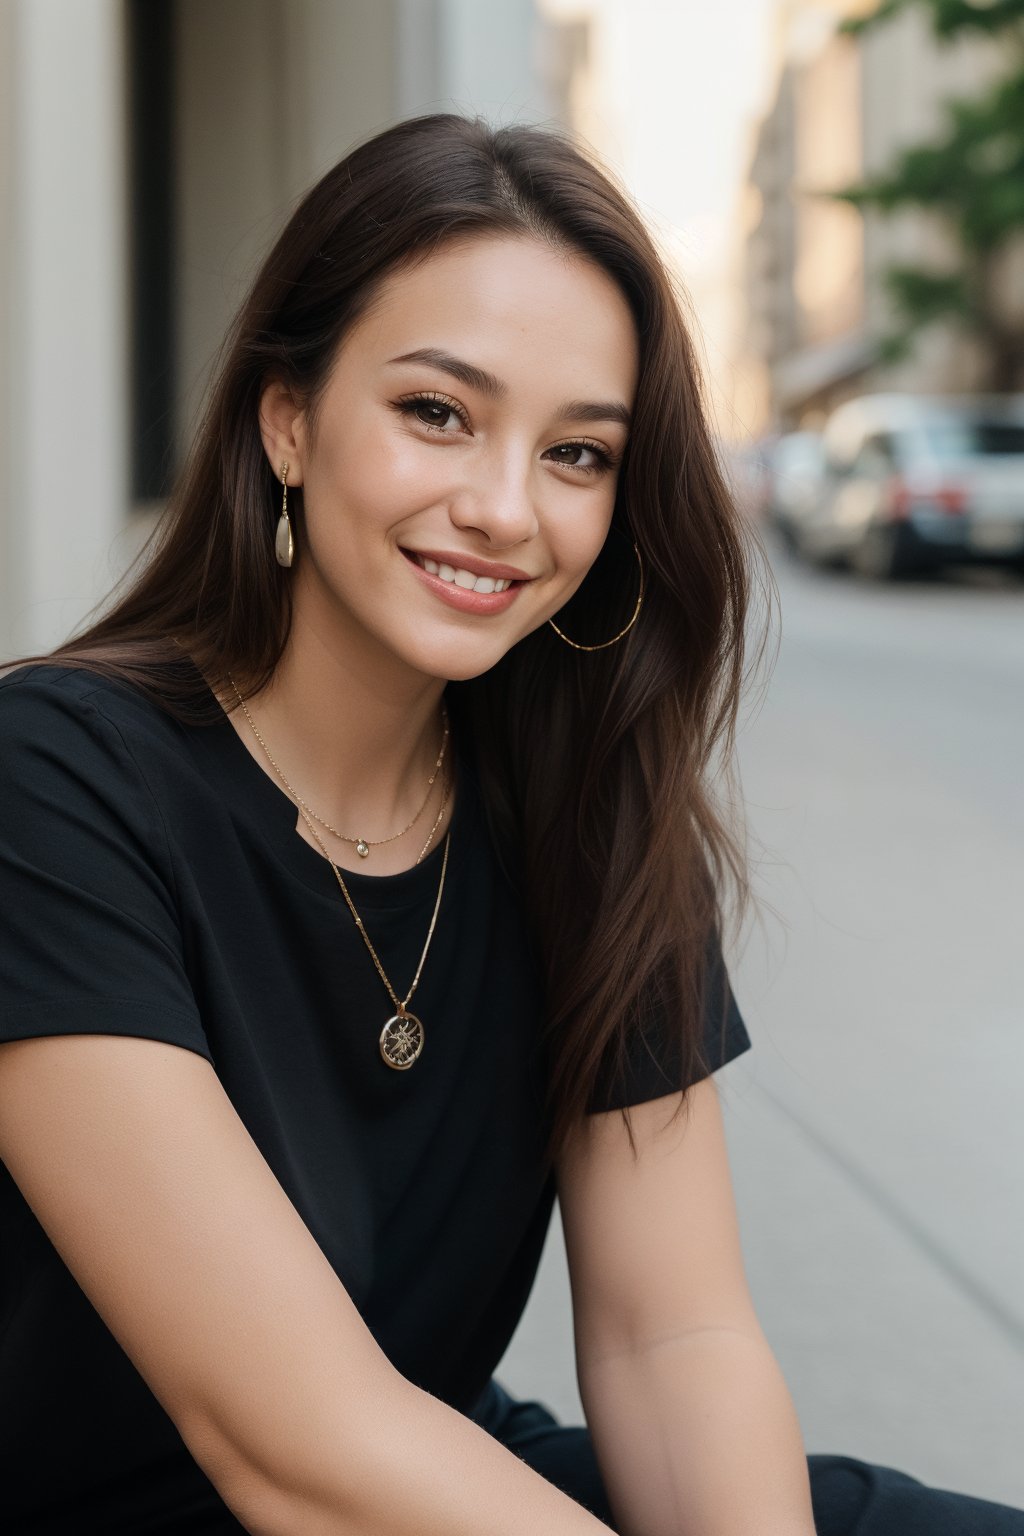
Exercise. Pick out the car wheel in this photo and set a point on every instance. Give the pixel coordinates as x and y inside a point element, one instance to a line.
<point>881,554</point>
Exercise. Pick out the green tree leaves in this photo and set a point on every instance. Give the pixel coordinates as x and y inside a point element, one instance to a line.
<point>972,177</point>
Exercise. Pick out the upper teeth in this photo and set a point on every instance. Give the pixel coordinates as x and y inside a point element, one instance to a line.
<point>464,578</point>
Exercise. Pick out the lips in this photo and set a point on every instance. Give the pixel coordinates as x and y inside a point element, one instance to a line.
<point>466,582</point>
<point>460,577</point>
<point>473,565</point>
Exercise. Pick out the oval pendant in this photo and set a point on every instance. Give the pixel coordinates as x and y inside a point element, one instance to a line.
<point>401,1041</point>
<point>362,849</point>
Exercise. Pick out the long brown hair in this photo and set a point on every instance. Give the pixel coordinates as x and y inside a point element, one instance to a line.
<point>597,769</point>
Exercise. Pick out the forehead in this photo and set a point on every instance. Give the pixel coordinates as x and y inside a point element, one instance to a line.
<point>530,314</point>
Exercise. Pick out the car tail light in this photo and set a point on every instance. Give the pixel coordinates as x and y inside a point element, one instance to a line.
<point>951,498</point>
<point>902,498</point>
<point>896,501</point>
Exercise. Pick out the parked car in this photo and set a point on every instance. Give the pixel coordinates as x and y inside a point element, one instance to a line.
<point>747,471</point>
<point>796,468</point>
<point>911,481</point>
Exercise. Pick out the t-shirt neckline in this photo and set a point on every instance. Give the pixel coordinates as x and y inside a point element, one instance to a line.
<point>271,812</point>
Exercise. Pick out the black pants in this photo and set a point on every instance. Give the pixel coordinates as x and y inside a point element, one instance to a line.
<point>850,1498</point>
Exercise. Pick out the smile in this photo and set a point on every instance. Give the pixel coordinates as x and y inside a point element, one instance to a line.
<point>469,591</point>
<point>464,579</point>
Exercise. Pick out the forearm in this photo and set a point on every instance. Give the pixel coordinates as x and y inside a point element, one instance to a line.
<point>408,1465</point>
<point>697,1436</point>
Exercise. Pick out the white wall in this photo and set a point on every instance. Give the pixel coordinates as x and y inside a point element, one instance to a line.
<point>7,368</point>
<point>63,303</point>
<point>488,60</point>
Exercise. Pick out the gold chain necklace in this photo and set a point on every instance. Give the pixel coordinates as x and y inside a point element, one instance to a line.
<point>401,1039</point>
<point>362,845</point>
<point>445,796</point>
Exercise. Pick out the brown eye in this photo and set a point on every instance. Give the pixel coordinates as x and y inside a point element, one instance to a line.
<point>600,459</point>
<point>431,411</point>
<point>431,414</point>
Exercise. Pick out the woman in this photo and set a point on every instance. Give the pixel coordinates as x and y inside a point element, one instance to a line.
<point>360,868</point>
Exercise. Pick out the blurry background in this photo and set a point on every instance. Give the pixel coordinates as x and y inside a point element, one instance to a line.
<point>840,189</point>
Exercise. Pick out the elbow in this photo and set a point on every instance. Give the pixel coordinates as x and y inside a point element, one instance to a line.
<point>266,1508</point>
<point>268,1511</point>
<point>261,1500</point>
<point>322,1474</point>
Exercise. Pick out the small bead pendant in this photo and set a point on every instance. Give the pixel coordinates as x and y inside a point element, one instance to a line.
<point>362,849</point>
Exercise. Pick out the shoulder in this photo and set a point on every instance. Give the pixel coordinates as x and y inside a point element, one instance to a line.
<point>46,704</point>
<point>83,831</point>
<point>35,681</point>
<point>77,747</point>
<point>45,713</point>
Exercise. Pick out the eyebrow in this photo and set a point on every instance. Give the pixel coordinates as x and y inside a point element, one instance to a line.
<point>486,384</point>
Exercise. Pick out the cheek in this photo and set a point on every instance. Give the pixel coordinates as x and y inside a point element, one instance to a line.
<point>577,540</point>
<point>366,475</point>
<point>391,473</point>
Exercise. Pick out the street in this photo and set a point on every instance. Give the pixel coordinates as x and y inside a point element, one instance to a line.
<point>875,1129</point>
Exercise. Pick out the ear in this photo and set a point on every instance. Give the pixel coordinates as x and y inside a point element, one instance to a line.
<point>283,430</point>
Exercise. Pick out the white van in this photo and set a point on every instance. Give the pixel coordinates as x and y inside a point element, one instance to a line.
<point>911,481</point>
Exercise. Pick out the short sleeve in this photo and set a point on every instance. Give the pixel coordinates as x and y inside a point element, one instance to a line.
<point>655,1063</point>
<point>91,938</point>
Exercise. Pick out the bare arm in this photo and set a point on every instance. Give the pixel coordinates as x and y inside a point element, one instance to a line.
<point>147,1182</point>
<point>694,1429</point>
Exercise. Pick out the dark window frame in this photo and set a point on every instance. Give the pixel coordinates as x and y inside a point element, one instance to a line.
<point>152,219</point>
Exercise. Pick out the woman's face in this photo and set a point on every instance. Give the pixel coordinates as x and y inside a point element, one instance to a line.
<point>459,479</point>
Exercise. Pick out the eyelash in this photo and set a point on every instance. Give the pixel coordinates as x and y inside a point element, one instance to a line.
<point>408,404</point>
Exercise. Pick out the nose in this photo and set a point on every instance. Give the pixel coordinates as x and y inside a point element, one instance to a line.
<point>497,501</point>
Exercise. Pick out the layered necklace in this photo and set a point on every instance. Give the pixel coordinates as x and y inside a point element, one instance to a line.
<point>363,845</point>
<point>402,1037</point>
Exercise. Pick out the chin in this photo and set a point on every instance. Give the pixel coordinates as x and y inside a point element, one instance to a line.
<point>456,662</point>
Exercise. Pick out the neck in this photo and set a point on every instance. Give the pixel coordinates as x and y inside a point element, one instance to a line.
<point>356,735</point>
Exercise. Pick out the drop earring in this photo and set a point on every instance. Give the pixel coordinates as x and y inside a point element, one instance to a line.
<point>284,544</point>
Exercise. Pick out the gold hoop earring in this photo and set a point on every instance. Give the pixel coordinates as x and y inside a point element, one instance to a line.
<point>615,638</point>
<point>284,544</point>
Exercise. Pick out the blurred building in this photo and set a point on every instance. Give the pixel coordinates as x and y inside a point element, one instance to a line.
<point>149,152</point>
<point>813,269</point>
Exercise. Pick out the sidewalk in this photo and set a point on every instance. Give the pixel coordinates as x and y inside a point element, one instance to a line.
<point>888,1354</point>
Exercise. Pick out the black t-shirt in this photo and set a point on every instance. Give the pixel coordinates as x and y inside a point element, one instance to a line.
<point>152,883</point>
